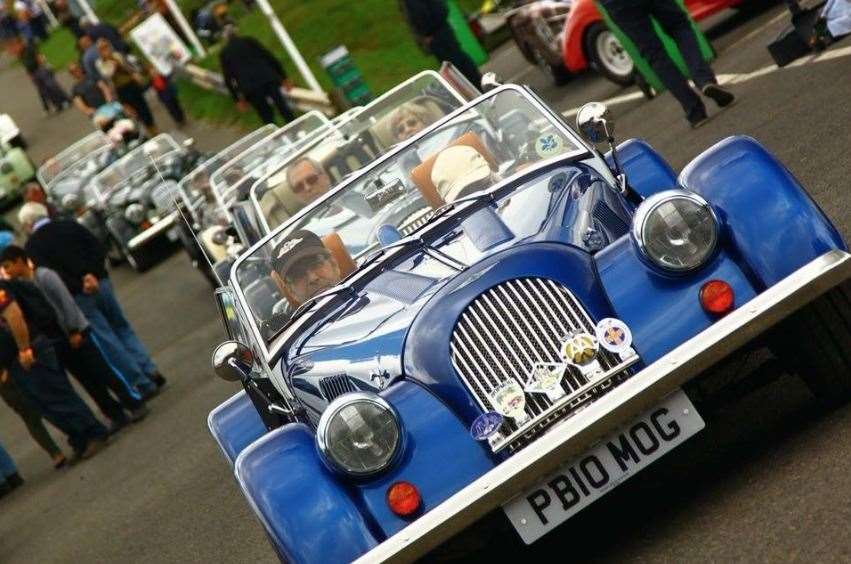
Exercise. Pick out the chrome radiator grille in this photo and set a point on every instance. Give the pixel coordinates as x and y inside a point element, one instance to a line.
<point>512,326</point>
<point>163,195</point>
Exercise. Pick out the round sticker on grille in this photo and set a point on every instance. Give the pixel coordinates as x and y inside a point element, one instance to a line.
<point>486,425</point>
<point>614,335</point>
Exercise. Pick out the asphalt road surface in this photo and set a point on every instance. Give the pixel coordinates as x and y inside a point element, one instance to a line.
<point>767,480</point>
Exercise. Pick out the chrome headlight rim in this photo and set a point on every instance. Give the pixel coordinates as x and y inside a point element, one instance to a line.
<point>333,409</point>
<point>645,211</point>
<point>135,213</point>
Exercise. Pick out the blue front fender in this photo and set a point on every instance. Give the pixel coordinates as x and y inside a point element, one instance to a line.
<point>235,424</point>
<point>773,223</point>
<point>314,515</point>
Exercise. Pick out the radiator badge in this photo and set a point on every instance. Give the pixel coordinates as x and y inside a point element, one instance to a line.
<point>579,349</point>
<point>614,335</point>
<point>509,400</point>
<point>485,425</point>
<point>545,378</point>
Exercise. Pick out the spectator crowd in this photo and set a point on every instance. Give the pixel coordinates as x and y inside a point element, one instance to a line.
<point>59,317</point>
<point>105,70</point>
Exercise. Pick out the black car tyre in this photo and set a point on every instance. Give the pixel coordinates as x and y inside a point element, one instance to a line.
<point>816,342</point>
<point>138,259</point>
<point>607,56</point>
<point>114,253</point>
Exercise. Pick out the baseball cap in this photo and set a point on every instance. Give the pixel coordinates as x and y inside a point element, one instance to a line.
<point>456,168</point>
<point>298,245</point>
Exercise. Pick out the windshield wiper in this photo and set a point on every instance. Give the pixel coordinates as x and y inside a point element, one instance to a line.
<point>310,302</point>
<point>445,208</point>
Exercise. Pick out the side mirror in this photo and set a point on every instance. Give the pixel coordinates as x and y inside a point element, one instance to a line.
<point>232,361</point>
<point>490,82</point>
<point>190,142</point>
<point>594,122</point>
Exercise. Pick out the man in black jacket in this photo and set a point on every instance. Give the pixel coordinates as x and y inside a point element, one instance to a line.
<point>254,76</point>
<point>69,249</point>
<point>427,19</point>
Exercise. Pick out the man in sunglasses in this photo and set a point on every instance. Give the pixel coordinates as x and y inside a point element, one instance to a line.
<point>308,180</point>
<point>304,266</point>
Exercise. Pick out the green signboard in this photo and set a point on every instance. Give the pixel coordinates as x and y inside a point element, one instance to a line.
<point>346,76</point>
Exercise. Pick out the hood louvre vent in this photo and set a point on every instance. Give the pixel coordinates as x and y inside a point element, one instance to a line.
<point>335,386</point>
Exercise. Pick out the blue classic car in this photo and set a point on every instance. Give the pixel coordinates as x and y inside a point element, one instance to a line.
<point>496,318</point>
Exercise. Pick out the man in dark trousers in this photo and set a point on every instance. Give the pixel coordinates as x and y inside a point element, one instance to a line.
<point>28,327</point>
<point>428,20</point>
<point>254,76</point>
<point>634,19</point>
<point>78,351</point>
<point>69,249</point>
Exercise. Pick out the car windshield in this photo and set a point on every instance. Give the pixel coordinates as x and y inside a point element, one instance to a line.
<point>136,165</point>
<point>232,180</point>
<point>490,141</point>
<point>195,187</point>
<point>71,189</point>
<point>351,142</point>
<point>54,167</point>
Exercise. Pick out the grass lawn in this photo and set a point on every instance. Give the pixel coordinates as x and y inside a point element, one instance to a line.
<point>372,30</point>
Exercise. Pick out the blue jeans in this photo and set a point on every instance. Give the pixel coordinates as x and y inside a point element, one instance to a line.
<point>7,465</point>
<point>47,386</point>
<point>116,338</point>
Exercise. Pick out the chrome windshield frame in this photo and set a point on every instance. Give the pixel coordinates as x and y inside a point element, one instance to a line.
<point>281,131</point>
<point>71,149</point>
<point>347,117</point>
<point>103,196</point>
<point>261,133</point>
<point>271,350</point>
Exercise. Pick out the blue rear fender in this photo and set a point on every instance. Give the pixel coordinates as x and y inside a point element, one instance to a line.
<point>773,224</point>
<point>235,424</point>
<point>312,514</point>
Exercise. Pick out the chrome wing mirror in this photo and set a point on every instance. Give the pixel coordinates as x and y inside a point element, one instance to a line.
<point>595,124</point>
<point>490,82</point>
<point>233,361</point>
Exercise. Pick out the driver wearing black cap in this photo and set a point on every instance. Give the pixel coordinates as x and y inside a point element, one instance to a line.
<point>305,266</point>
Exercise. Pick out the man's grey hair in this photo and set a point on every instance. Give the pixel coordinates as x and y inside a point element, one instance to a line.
<point>30,213</point>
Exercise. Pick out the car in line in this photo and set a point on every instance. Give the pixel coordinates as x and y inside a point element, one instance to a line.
<point>133,198</point>
<point>16,167</point>
<point>532,344</point>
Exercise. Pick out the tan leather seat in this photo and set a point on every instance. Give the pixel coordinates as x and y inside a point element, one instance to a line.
<point>338,250</point>
<point>421,174</point>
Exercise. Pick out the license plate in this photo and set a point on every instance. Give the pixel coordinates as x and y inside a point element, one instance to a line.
<point>614,460</point>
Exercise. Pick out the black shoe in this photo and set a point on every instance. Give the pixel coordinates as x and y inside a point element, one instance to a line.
<point>5,489</point>
<point>115,426</point>
<point>14,480</point>
<point>94,447</point>
<point>157,379</point>
<point>697,118</point>
<point>721,96</point>
<point>139,413</point>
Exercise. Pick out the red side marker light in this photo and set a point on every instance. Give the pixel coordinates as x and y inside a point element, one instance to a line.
<point>717,297</point>
<point>403,498</point>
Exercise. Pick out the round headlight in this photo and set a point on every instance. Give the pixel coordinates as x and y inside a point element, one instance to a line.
<point>676,230</point>
<point>135,213</point>
<point>359,434</point>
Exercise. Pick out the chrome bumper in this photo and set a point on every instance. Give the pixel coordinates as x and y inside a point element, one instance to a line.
<point>153,231</point>
<point>577,434</point>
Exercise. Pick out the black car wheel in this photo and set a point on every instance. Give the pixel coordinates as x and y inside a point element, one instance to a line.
<point>138,259</point>
<point>607,56</point>
<point>114,253</point>
<point>816,342</point>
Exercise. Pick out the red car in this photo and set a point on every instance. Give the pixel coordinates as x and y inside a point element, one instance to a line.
<point>587,41</point>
